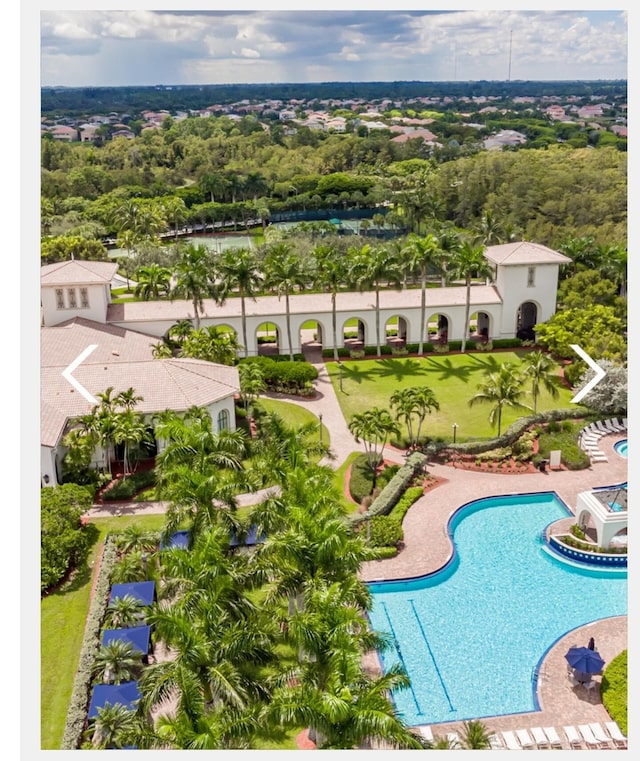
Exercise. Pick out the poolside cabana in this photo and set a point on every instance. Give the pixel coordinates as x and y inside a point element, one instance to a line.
<point>126,694</point>
<point>138,636</point>
<point>606,510</point>
<point>250,540</point>
<point>143,591</point>
<point>178,540</point>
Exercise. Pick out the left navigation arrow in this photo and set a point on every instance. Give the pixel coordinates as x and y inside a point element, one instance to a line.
<point>66,373</point>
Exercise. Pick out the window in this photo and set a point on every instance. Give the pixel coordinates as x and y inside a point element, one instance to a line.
<point>71,296</point>
<point>59,298</point>
<point>223,420</point>
<point>84,298</point>
<point>531,277</point>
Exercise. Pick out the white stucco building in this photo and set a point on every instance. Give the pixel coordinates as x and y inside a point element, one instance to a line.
<point>77,313</point>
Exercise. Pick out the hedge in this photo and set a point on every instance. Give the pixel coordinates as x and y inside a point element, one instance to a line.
<point>284,375</point>
<point>77,713</point>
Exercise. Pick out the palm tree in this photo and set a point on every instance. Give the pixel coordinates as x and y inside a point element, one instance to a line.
<point>614,266</point>
<point>489,230</point>
<point>238,269</point>
<point>370,268</point>
<point>153,281</point>
<point>215,343</point>
<point>541,370</point>
<point>469,261</point>
<point>179,331</point>
<point>117,662</point>
<point>374,427</point>
<point>111,724</point>
<point>252,384</point>
<point>449,242</point>
<point>502,388</point>
<point>174,211</point>
<point>475,735</point>
<point>193,279</point>
<point>131,431</point>
<point>331,273</point>
<point>420,254</point>
<point>123,612</point>
<point>284,272</point>
<point>416,402</point>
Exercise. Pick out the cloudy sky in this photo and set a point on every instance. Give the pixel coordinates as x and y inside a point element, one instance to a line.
<point>148,47</point>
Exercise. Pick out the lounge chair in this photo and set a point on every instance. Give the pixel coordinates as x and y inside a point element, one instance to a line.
<point>495,743</point>
<point>575,741</point>
<point>613,423</point>
<point>593,430</point>
<point>601,736</point>
<point>524,738</point>
<point>599,457</point>
<point>539,737</point>
<point>553,737</point>
<point>454,740</point>
<point>605,429</point>
<point>510,741</point>
<point>624,422</point>
<point>588,736</point>
<point>426,732</point>
<point>616,734</point>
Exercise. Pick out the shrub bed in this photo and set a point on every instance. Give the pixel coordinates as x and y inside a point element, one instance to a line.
<point>361,479</point>
<point>128,486</point>
<point>284,375</point>
<point>614,690</point>
<point>386,530</point>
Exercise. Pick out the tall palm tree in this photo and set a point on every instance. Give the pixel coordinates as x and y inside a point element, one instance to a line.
<point>468,262</point>
<point>501,389</point>
<point>449,242</point>
<point>285,273</point>
<point>420,254</point>
<point>215,343</point>
<point>374,427</point>
<point>131,431</point>
<point>152,282</point>
<point>331,273</point>
<point>541,370</point>
<point>489,231</point>
<point>193,278</point>
<point>252,384</point>
<point>174,211</point>
<point>371,267</point>
<point>239,271</point>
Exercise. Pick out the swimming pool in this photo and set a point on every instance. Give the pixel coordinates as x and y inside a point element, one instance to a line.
<point>621,447</point>
<point>471,635</point>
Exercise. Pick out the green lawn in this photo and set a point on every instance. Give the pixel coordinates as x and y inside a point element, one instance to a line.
<point>63,616</point>
<point>292,414</point>
<point>454,379</point>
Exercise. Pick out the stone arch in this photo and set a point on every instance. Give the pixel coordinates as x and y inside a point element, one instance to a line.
<point>312,335</point>
<point>480,326</point>
<point>354,336</point>
<point>526,318</point>
<point>396,329</point>
<point>267,338</point>
<point>438,328</point>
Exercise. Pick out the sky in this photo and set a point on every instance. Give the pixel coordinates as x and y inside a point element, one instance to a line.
<point>148,47</point>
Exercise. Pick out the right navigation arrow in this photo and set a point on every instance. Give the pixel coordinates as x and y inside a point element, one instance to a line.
<point>599,373</point>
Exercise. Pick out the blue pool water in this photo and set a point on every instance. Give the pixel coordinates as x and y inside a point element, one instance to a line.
<point>621,447</point>
<point>471,636</point>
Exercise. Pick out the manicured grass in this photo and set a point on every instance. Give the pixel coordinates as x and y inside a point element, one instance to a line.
<point>454,379</point>
<point>63,615</point>
<point>292,414</point>
<point>339,481</point>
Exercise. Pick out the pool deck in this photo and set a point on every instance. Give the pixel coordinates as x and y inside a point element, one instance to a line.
<point>428,548</point>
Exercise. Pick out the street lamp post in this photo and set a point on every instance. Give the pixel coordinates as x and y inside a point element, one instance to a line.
<point>320,419</point>
<point>455,428</point>
<point>340,376</point>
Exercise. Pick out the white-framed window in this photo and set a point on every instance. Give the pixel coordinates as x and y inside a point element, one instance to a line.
<point>531,277</point>
<point>223,420</point>
<point>84,298</point>
<point>59,298</point>
<point>71,298</point>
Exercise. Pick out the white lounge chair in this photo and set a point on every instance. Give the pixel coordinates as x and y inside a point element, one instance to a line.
<point>495,743</point>
<point>616,734</point>
<point>613,423</point>
<point>588,736</point>
<point>604,428</point>
<point>426,732</point>
<point>524,738</point>
<point>600,735</point>
<point>599,457</point>
<point>454,740</point>
<point>539,737</point>
<point>575,741</point>
<point>510,741</point>
<point>553,737</point>
<point>624,422</point>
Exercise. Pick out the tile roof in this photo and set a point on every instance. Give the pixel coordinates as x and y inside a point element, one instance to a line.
<point>163,383</point>
<point>524,252</point>
<point>266,306</point>
<point>74,272</point>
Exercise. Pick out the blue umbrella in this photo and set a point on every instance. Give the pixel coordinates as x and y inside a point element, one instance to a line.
<point>585,660</point>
